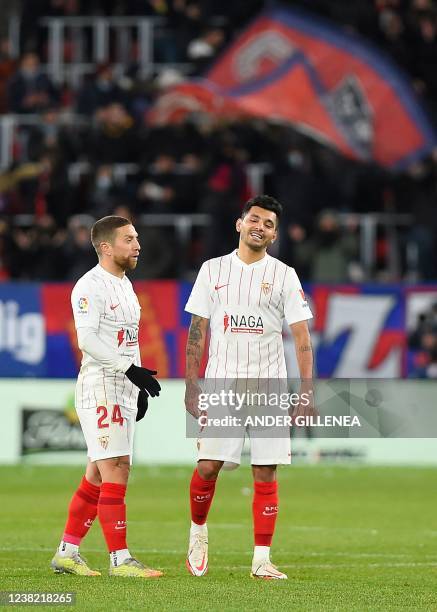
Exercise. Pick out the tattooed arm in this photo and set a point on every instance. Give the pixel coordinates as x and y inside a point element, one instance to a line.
<point>304,351</point>
<point>194,352</point>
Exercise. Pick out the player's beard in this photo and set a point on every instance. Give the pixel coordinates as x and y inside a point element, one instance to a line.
<point>126,263</point>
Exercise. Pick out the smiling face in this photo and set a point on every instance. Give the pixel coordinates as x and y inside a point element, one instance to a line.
<point>257,228</point>
<point>123,249</point>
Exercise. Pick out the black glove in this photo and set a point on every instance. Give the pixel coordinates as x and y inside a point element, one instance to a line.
<point>143,379</point>
<point>142,404</point>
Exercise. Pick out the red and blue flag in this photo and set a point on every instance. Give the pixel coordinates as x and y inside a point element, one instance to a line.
<point>333,85</point>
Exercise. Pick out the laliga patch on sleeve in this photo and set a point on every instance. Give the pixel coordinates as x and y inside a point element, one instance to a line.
<point>304,299</point>
<point>83,305</point>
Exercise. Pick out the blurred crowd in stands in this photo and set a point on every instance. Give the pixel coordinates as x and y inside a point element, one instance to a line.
<point>422,343</point>
<point>93,150</point>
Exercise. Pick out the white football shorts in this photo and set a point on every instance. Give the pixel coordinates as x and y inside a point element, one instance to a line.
<point>107,433</point>
<point>263,451</point>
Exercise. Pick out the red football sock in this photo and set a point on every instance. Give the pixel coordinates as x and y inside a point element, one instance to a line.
<point>265,510</point>
<point>112,515</point>
<point>81,512</point>
<point>201,494</point>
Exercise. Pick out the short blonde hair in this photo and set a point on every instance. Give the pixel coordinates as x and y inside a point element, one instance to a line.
<point>103,230</point>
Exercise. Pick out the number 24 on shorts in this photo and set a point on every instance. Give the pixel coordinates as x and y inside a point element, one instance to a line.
<point>102,421</point>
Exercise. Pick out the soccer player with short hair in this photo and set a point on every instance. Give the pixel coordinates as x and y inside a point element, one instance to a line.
<point>111,395</point>
<point>247,283</point>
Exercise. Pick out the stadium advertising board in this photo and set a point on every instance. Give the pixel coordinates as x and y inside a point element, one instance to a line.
<point>40,426</point>
<point>54,430</point>
<point>357,330</point>
<point>23,348</point>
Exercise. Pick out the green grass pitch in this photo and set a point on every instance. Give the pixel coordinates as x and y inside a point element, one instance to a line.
<point>350,538</point>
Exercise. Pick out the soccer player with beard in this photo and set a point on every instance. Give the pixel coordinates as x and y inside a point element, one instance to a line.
<point>111,395</point>
<point>244,297</point>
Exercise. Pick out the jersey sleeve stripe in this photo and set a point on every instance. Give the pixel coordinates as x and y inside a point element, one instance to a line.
<point>282,286</point>
<point>104,387</point>
<point>118,298</point>
<point>277,355</point>
<point>250,286</point>
<point>89,398</point>
<point>128,304</point>
<point>217,365</point>
<point>218,279</point>
<point>239,286</point>
<point>229,278</point>
<point>260,289</point>
<point>268,360</point>
<point>273,282</point>
<point>124,385</point>
<point>248,361</point>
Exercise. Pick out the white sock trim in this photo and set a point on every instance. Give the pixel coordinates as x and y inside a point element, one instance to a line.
<point>195,528</point>
<point>117,557</point>
<point>261,554</point>
<point>66,549</point>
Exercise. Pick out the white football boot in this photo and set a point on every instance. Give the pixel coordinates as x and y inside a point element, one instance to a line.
<point>267,571</point>
<point>197,558</point>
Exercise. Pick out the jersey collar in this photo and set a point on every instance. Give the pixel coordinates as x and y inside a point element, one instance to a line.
<point>107,274</point>
<point>241,263</point>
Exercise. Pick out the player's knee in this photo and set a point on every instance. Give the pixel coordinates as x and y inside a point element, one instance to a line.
<point>115,470</point>
<point>264,473</point>
<point>94,479</point>
<point>209,470</point>
<point>93,476</point>
<point>123,468</point>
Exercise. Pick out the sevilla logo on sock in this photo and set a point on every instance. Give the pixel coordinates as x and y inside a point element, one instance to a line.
<point>202,498</point>
<point>88,522</point>
<point>120,525</point>
<point>270,510</point>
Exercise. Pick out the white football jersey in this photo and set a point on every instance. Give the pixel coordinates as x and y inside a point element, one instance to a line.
<point>109,306</point>
<point>246,305</point>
